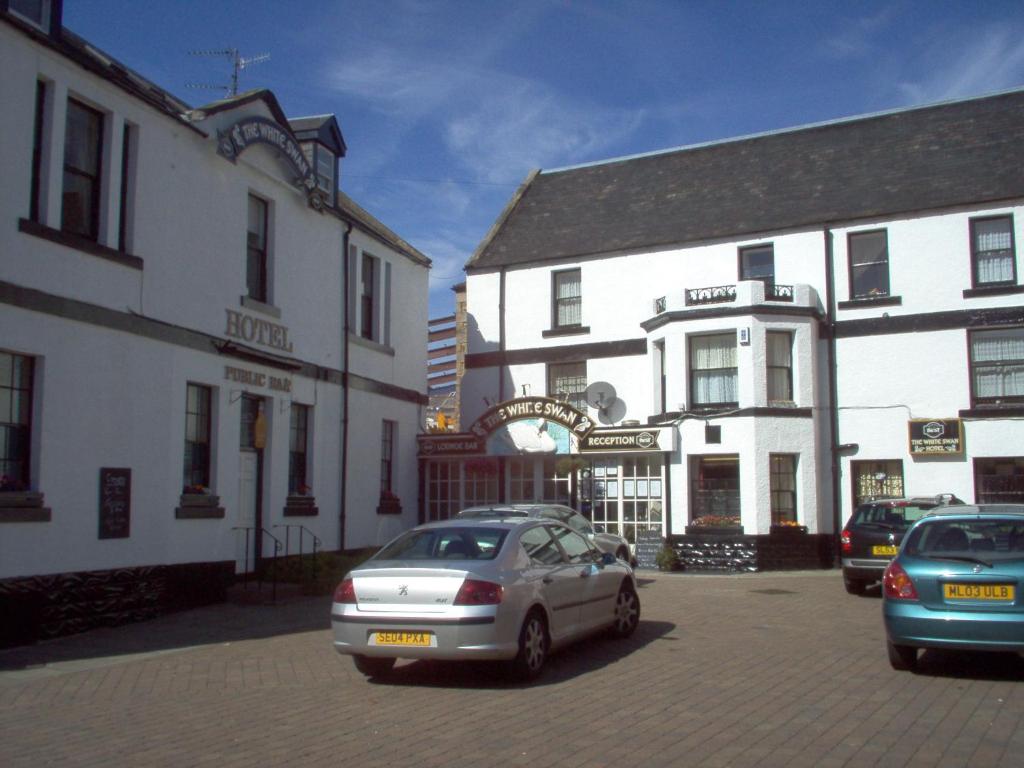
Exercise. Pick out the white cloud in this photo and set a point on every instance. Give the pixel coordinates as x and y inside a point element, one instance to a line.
<point>991,60</point>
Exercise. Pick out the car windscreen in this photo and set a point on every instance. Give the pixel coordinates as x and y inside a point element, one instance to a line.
<point>898,516</point>
<point>448,543</point>
<point>989,540</point>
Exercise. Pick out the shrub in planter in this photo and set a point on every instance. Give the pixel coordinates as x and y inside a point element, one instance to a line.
<point>667,559</point>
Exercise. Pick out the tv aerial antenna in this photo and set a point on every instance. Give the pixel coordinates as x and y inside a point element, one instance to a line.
<point>601,395</point>
<point>238,63</point>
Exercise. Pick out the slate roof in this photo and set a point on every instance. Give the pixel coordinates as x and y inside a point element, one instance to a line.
<point>956,153</point>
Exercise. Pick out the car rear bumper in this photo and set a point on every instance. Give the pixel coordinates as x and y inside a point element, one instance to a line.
<point>864,569</point>
<point>453,640</point>
<point>910,623</point>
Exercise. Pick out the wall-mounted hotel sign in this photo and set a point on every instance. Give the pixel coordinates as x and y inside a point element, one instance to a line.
<point>456,444</point>
<point>613,441</point>
<point>255,330</point>
<point>932,437</point>
<point>260,130</point>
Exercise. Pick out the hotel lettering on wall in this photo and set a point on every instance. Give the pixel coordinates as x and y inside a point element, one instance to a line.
<point>936,437</point>
<point>255,330</point>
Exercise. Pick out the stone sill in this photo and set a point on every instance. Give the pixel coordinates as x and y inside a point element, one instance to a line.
<point>19,514</point>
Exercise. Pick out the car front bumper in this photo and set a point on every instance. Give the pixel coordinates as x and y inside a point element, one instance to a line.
<point>910,623</point>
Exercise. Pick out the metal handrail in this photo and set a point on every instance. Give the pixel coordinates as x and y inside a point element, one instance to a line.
<point>303,530</point>
<point>273,564</point>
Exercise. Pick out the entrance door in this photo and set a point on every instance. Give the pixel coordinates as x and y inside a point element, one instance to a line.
<point>250,474</point>
<point>624,494</point>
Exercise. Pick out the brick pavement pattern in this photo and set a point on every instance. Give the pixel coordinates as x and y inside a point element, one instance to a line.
<point>778,669</point>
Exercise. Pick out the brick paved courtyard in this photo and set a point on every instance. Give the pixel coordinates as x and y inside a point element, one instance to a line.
<point>753,670</point>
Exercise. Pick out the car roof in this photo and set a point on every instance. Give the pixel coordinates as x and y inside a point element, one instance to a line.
<point>514,510</point>
<point>977,510</point>
<point>509,522</point>
<point>939,498</point>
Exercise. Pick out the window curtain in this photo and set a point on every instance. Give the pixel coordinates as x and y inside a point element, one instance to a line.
<point>780,366</point>
<point>993,251</point>
<point>713,361</point>
<point>998,360</point>
<point>567,298</point>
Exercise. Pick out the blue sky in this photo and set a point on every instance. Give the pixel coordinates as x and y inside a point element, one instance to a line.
<point>447,106</point>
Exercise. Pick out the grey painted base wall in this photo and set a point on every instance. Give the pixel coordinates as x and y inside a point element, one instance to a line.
<point>736,553</point>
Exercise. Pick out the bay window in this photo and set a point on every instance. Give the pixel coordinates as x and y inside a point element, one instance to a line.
<point>780,367</point>
<point>713,372</point>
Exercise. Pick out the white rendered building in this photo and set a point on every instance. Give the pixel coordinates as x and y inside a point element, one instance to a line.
<point>208,355</point>
<point>790,323</point>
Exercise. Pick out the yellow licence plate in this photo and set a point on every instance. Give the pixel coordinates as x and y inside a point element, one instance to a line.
<point>419,639</point>
<point>884,549</point>
<point>996,592</point>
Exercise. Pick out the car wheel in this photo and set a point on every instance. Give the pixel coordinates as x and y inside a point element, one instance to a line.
<point>855,586</point>
<point>373,667</point>
<point>533,647</point>
<point>627,611</point>
<point>901,657</point>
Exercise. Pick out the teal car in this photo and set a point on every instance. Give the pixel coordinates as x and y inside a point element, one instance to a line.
<point>957,583</point>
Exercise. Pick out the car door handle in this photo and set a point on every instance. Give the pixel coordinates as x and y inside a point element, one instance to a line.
<point>547,580</point>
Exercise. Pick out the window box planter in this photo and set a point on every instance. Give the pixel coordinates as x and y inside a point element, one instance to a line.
<point>199,506</point>
<point>300,506</point>
<point>714,530</point>
<point>389,506</point>
<point>23,507</point>
<point>787,530</point>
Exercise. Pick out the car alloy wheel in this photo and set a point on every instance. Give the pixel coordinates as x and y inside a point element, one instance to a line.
<point>627,612</point>
<point>533,647</point>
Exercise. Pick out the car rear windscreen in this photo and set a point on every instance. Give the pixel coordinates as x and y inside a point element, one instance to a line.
<point>445,544</point>
<point>986,539</point>
<point>897,516</point>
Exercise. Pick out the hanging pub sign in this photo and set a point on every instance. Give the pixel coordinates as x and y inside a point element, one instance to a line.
<point>261,130</point>
<point>533,408</point>
<point>936,437</point>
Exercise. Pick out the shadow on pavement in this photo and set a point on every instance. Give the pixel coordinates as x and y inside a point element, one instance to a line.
<point>570,662</point>
<point>968,665</point>
<point>213,624</point>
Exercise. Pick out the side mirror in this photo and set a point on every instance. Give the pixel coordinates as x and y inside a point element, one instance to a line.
<point>599,528</point>
<point>607,558</point>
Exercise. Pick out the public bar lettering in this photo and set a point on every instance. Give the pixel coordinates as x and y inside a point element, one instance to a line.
<point>257,331</point>
<point>257,379</point>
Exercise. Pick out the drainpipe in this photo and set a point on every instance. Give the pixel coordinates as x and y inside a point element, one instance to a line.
<point>833,392</point>
<point>345,272</point>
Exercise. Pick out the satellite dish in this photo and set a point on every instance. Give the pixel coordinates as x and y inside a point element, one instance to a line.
<point>600,395</point>
<point>613,412</point>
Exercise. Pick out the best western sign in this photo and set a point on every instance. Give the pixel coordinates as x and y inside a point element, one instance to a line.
<point>931,437</point>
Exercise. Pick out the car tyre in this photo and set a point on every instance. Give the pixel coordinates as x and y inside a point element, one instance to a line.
<point>373,667</point>
<point>901,657</point>
<point>627,611</point>
<point>533,647</point>
<point>855,586</point>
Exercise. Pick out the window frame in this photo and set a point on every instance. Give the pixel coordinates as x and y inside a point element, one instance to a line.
<point>388,431</point>
<point>976,282</point>
<point>788,368</point>
<point>23,389</point>
<point>298,449</point>
<point>972,366</point>
<point>851,237</point>
<point>887,464</point>
<point>692,371</point>
<point>256,274</point>
<point>776,472</point>
<point>558,302</point>
<point>94,177</point>
<point>198,473</point>
<point>45,15</point>
<point>743,267</point>
<point>38,143</point>
<point>369,296</point>
<point>576,397</point>
<point>983,497</point>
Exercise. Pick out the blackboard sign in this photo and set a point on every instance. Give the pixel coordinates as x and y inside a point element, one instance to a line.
<point>648,545</point>
<point>115,502</point>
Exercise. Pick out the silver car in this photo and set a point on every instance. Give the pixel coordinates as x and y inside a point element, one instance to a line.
<point>510,589</point>
<point>606,542</point>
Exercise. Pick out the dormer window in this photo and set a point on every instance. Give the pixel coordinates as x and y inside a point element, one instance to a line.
<point>35,12</point>
<point>324,166</point>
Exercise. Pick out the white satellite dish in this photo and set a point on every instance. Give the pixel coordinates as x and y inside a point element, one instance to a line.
<point>600,395</point>
<point>612,413</point>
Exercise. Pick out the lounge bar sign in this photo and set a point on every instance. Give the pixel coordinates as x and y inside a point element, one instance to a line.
<point>622,440</point>
<point>932,437</point>
<point>456,444</point>
<point>260,130</point>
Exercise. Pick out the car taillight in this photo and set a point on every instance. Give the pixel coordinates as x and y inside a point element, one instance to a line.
<point>846,540</point>
<point>897,584</point>
<point>346,592</point>
<point>476,592</point>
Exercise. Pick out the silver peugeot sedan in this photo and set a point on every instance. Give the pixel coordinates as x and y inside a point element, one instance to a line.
<point>513,589</point>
